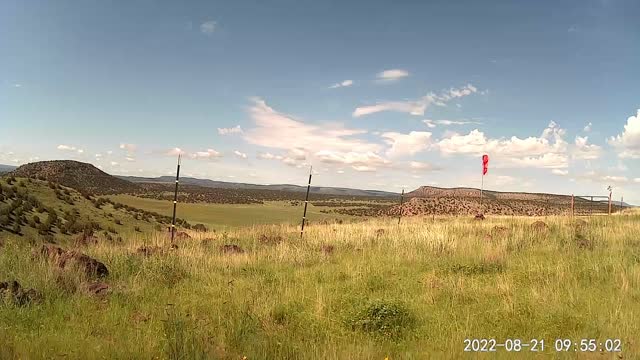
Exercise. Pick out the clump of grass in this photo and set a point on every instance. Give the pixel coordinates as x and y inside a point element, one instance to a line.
<point>389,319</point>
<point>180,342</point>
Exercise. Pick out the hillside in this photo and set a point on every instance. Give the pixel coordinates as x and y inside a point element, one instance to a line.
<point>35,209</point>
<point>77,175</point>
<point>437,192</point>
<point>244,186</point>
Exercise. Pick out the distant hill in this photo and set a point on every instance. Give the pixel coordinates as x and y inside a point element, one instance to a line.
<point>77,175</point>
<point>6,168</point>
<point>243,186</point>
<point>431,191</point>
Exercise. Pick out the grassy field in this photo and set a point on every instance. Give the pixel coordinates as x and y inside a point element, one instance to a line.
<point>219,216</point>
<point>365,290</point>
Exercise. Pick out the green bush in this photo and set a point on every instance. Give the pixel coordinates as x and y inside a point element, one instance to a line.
<point>386,318</point>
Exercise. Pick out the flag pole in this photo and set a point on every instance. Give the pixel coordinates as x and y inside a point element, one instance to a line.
<point>306,202</point>
<point>175,201</point>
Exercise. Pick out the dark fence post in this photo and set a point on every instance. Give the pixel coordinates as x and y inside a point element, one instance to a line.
<point>306,202</point>
<point>401,206</point>
<point>175,201</point>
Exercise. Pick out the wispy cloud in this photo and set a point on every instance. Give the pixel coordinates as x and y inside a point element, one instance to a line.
<point>234,130</point>
<point>240,154</point>
<point>208,27</point>
<point>329,142</point>
<point>344,83</point>
<point>434,123</point>
<point>209,154</point>
<point>416,107</point>
<point>70,148</point>
<point>392,75</point>
<point>129,148</point>
<point>587,127</point>
<point>585,151</point>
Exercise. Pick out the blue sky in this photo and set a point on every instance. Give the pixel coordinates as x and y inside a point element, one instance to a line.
<point>373,94</point>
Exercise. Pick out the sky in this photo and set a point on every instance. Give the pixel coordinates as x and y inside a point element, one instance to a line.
<point>373,94</point>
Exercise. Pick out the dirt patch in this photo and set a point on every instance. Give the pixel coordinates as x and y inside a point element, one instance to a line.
<point>270,239</point>
<point>231,249</point>
<point>540,226</point>
<point>327,249</point>
<point>65,259</point>
<point>12,292</point>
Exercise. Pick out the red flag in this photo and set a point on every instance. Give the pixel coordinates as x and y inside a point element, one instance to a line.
<point>485,164</point>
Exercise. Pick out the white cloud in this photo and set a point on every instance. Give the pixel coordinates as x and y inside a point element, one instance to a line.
<point>174,152</point>
<point>130,159</point>
<point>585,151</point>
<point>358,161</point>
<point>560,172</point>
<point>113,163</point>
<point>329,142</point>
<point>597,177</point>
<point>208,27</point>
<point>546,151</point>
<point>502,180</point>
<point>209,154</point>
<point>421,166</point>
<point>344,83</point>
<point>240,154</point>
<point>407,144</point>
<point>70,148</point>
<point>392,75</point>
<point>266,156</point>
<point>628,143</point>
<point>130,148</point>
<point>636,180</point>
<point>416,107</point>
<point>433,123</point>
<point>234,130</point>
<point>588,127</point>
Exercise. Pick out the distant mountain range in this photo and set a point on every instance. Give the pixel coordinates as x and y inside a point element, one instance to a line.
<point>6,168</point>
<point>240,186</point>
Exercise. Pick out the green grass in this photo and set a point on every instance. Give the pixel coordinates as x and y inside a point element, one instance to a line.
<point>414,291</point>
<point>218,216</point>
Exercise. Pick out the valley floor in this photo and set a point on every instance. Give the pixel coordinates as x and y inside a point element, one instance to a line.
<point>365,290</point>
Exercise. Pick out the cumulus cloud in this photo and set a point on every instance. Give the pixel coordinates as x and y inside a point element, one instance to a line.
<point>560,172</point>
<point>406,144</point>
<point>329,142</point>
<point>546,151</point>
<point>240,154</point>
<point>234,130</point>
<point>208,27</point>
<point>628,143</point>
<point>434,123</point>
<point>392,75</point>
<point>419,106</point>
<point>209,154</point>
<point>583,150</point>
<point>345,83</point>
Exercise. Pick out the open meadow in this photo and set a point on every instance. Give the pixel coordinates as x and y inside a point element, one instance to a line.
<point>366,290</point>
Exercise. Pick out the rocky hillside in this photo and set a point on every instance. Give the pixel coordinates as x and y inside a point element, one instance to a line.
<point>436,192</point>
<point>450,205</point>
<point>77,175</point>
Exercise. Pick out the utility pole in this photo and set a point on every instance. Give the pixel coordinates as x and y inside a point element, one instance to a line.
<point>175,200</point>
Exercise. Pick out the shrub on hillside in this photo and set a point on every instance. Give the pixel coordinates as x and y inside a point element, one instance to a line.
<point>388,319</point>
